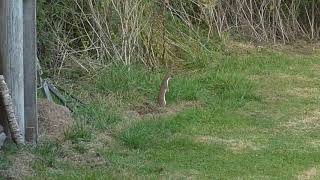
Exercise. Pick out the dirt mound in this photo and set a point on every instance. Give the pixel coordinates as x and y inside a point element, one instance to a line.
<point>147,108</point>
<point>54,119</point>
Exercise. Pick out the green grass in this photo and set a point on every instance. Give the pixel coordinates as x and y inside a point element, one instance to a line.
<point>48,152</point>
<point>234,111</point>
<point>9,150</point>
<point>81,131</point>
<point>255,116</point>
<point>128,82</point>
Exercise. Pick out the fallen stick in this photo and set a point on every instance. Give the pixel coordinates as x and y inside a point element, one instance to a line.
<point>9,108</point>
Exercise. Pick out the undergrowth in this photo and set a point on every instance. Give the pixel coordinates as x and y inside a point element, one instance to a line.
<point>242,122</point>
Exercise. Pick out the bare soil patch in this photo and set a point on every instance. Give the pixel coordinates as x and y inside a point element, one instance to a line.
<point>147,108</point>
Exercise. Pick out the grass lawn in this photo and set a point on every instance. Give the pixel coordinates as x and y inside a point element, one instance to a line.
<point>245,115</point>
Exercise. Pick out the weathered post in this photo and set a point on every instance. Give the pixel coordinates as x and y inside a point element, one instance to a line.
<point>30,72</point>
<point>11,53</point>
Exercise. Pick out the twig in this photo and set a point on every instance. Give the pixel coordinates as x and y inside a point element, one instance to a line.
<point>12,120</point>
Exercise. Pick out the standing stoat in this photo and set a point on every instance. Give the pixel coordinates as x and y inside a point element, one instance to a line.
<point>164,87</point>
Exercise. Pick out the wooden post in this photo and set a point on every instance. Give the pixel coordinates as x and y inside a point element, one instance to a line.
<point>11,53</point>
<point>2,108</point>
<point>30,72</point>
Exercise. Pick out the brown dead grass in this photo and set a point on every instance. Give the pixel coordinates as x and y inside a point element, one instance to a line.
<point>291,77</point>
<point>20,167</point>
<point>91,157</point>
<point>310,173</point>
<point>304,92</point>
<point>235,145</point>
<point>298,48</point>
<point>187,174</point>
<point>282,77</point>
<point>315,143</point>
<point>132,117</point>
<point>307,122</point>
<point>241,48</point>
<point>273,94</point>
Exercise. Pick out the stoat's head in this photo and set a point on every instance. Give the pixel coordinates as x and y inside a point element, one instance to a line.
<point>167,77</point>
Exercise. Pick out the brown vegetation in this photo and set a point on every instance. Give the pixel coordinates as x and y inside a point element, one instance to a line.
<point>87,35</point>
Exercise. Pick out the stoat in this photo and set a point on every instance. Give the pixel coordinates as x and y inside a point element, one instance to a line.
<point>164,87</point>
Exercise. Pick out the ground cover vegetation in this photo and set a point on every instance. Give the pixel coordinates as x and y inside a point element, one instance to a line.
<point>243,104</point>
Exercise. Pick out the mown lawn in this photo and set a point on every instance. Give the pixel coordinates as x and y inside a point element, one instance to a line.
<point>252,115</point>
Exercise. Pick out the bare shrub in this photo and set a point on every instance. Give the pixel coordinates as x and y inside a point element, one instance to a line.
<point>92,34</point>
<point>80,36</point>
<point>264,20</point>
